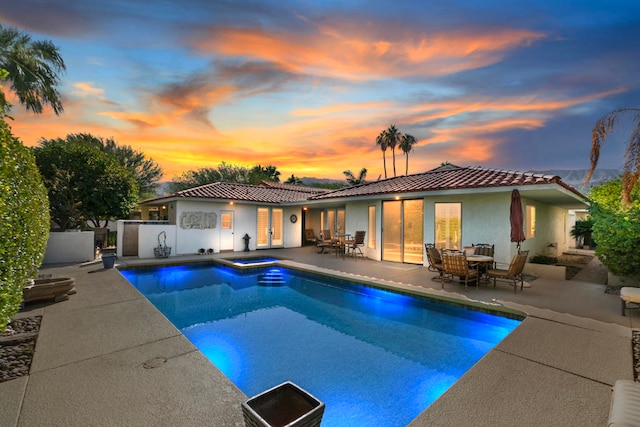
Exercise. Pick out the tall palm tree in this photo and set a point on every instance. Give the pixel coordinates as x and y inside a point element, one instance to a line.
<point>351,178</point>
<point>33,68</point>
<point>393,136</point>
<point>381,140</point>
<point>406,145</point>
<point>631,168</point>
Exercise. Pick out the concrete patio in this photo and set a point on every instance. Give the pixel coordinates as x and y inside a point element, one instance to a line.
<point>108,357</point>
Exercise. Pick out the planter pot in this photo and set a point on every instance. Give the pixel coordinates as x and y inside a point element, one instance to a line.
<point>284,405</point>
<point>108,260</point>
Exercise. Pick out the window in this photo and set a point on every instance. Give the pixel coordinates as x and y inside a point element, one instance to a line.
<point>225,220</point>
<point>448,223</point>
<point>530,224</point>
<point>371,233</point>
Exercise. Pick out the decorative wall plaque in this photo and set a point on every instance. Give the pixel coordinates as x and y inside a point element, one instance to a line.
<point>198,220</point>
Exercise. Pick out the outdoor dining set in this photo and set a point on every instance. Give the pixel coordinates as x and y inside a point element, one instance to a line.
<point>474,264</point>
<point>342,244</point>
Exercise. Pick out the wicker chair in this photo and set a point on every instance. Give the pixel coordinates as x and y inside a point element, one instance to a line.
<point>486,250</point>
<point>310,237</point>
<point>353,247</point>
<point>455,264</point>
<point>435,261</point>
<point>325,242</point>
<point>513,273</point>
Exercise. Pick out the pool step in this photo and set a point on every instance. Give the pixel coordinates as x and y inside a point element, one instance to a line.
<point>271,278</point>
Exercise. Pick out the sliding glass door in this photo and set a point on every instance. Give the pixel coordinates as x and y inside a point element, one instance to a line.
<point>402,230</point>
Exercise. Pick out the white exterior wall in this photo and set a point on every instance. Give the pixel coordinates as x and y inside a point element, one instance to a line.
<point>293,232</point>
<point>71,246</point>
<point>357,219</point>
<point>485,219</point>
<point>148,239</point>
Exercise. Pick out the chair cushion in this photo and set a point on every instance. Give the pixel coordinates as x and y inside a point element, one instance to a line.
<point>628,294</point>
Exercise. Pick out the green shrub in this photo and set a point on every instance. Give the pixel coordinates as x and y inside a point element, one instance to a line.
<point>616,228</point>
<point>24,221</point>
<point>543,259</point>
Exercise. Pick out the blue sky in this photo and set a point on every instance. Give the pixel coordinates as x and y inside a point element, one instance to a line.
<point>307,86</point>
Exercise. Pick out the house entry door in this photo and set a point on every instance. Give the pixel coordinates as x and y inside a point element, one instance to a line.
<point>226,231</point>
<point>270,228</point>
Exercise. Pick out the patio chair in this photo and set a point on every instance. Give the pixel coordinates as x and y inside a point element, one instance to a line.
<point>513,273</point>
<point>324,242</point>
<point>455,264</point>
<point>483,249</point>
<point>310,237</point>
<point>486,250</point>
<point>354,246</point>
<point>435,261</point>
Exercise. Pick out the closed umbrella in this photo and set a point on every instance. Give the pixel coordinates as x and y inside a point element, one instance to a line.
<point>516,219</point>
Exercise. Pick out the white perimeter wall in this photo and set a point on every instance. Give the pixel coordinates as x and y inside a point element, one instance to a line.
<point>69,247</point>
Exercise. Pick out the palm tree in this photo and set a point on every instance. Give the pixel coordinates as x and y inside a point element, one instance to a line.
<point>631,168</point>
<point>381,140</point>
<point>33,68</point>
<point>406,145</point>
<point>352,180</point>
<point>393,136</point>
<point>293,180</point>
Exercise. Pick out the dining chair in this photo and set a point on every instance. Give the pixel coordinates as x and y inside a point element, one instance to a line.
<point>455,263</point>
<point>513,273</point>
<point>355,245</point>
<point>435,261</point>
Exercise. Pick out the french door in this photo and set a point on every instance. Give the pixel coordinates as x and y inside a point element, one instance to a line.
<point>402,230</point>
<point>270,228</point>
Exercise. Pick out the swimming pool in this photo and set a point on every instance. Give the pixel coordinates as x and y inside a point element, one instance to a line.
<point>374,357</point>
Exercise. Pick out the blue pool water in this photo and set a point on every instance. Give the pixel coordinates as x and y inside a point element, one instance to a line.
<point>374,357</point>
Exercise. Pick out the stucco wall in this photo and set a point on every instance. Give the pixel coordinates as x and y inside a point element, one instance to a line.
<point>73,246</point>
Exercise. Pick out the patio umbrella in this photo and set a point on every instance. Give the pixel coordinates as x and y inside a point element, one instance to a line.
<point>516,219</point>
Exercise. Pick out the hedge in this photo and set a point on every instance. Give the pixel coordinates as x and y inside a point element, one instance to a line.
<point>24,221</point>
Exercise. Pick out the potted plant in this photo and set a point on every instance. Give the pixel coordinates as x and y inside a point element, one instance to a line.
<point>582,233</point>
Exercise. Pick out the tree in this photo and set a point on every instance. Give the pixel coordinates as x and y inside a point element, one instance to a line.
<point>406,145</point>
<point>233,173</point>
<point>616,227</point>
<point>24,220</point>
<point>146,172</point>
<point>293,180</point>
<point>631,168</point>
<point>381,140</point>
<point>84,183</point>
<point>389,138</point>
<point>259,173</point>
<point>33,68</point>
<point>352,180</point>
<point>196,178</point>
<point>393,137</point>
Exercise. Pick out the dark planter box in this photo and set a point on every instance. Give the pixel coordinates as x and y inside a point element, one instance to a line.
<point>284,405</point>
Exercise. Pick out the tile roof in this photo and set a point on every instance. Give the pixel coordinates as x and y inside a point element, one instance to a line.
<point>261,193</point>
<point>448,177</point>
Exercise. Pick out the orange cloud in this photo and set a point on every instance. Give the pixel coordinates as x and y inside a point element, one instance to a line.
<point>336,52</point>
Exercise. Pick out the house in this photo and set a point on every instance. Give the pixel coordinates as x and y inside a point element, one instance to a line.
<point>450,206</point>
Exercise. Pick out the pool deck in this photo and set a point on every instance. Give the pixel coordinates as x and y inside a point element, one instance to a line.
<point>107,357</point>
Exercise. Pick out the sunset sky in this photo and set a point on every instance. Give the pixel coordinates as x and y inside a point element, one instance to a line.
<point>308,85</point>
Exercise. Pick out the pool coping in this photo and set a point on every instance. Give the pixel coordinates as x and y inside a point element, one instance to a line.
<point>554,369</point>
